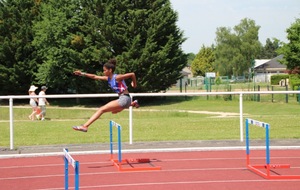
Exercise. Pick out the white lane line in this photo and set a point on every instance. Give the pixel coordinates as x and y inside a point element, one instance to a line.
<point>117,172</point>
<point>153,160</point>
<point>177,183</point>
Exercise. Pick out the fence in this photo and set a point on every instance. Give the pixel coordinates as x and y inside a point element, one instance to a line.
<point>236,87</point>
<point>240,94</point>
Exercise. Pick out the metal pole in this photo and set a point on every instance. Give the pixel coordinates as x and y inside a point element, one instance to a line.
<point>111,139</point>
<point>267,144</point>
<point>130,124</point>
<point>11,123</point>
<point>258,95</point>
<point>272,94</point>
<point>66,172</point>
<point>287,95</point>
<point>119,144</point>
<point>241,117</point>
<point>247,142</point>
<point>76,175</point>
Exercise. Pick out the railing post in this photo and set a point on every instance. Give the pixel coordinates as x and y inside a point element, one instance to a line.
<point>241,117</point>
<point>286,95</point>
<point>272,94</point>
<point>258,95</point>
<point>298,95</point>
<point>130,122</point>
<point>11,123</point>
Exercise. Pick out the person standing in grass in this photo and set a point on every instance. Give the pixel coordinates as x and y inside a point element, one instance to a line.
<point>118,85</point>
<point>33,102</point>
<point>42,104</point>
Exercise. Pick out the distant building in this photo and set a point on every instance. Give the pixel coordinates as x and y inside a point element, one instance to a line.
<point>265,68</point>
<point>186,73</point>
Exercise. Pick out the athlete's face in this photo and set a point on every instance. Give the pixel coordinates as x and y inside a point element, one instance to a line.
<point>107,72</point>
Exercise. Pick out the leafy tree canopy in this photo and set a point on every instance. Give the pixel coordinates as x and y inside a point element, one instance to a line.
<point>203,61</point>
<point>235,50</point>
<point>56,37</point>
<point>269,51</point>
<point>142,35</point>
<point>190,57</point>
<point>17,56</point>
<point>291,50</point>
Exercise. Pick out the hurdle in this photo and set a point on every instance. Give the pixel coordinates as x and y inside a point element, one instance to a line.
<point>259,169</point>
<point>68,159</point>
<point>120,162</point>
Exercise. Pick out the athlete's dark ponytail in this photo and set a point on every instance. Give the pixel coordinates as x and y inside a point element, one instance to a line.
<point>111,64</point>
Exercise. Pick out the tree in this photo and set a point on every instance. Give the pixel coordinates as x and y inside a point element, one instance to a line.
<point>203,61</point>
<point>226,51</point>
<point>235,50</point>
<point>190,58</point>
<point>43,42</point>
<point>270,48</point>
<point>17,55</point>
<point>67,37</point>
<point>291,50</point>
<point>142,35</point>
<point>146,40</point>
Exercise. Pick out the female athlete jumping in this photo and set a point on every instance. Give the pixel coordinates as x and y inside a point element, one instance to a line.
<point>118,85</point>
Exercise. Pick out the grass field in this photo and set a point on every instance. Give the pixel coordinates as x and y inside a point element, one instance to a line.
<point>167,119</point>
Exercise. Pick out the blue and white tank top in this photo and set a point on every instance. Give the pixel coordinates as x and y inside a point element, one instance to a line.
<point>116,86</point>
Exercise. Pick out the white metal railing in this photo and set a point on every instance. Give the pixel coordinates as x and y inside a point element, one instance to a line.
<point>240,93</point>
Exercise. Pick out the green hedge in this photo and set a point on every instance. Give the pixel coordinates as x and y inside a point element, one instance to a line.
<point>295,81</point>
<point>276,78</point>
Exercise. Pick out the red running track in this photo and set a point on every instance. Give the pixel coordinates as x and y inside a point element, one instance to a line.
<point>180,170</point>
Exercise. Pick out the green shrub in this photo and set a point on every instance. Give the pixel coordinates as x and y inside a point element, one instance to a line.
<point>276,78</point>
<point>294,81</point>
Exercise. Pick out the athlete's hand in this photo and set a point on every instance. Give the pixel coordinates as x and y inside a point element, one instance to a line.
<point>77,73</point>
<point>133,84</point>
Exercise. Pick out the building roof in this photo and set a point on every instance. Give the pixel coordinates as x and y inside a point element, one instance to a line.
<point>259,62</point>
<point>271,64</point>
<point>274,63</point>
<point>185,73</point>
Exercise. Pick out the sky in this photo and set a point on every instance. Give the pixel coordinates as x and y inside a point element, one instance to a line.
<point>199,19</point>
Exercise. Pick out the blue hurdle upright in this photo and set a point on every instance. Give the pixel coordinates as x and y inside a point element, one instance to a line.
<point>259,169</point>
<point>68,159</point>
<point>120,162</point>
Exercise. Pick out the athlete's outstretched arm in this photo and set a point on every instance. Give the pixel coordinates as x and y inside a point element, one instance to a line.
<point>89,75</point>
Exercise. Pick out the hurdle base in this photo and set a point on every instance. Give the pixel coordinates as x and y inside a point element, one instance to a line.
<point>257,169</point>
<point>130,163</point>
